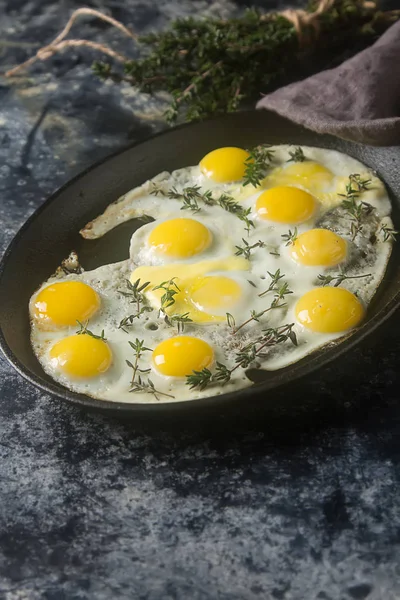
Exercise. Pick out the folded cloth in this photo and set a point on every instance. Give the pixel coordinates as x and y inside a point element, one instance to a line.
<point>359,100</point>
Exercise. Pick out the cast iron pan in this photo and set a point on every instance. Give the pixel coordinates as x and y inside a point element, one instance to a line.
<point>52,232</point>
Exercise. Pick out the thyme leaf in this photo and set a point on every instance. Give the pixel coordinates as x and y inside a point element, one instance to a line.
<point>275,277</point>
<point>388,233</point>
<point>170,289</point>
<point>338,279</point>
<point>246,249</point>
<point>135,293</point>
<point>257,165</point>
<point>83,330</point>
<point>244,216</point>
<point>297,155</point>
<point>179,321</point>
<point>290,237</point>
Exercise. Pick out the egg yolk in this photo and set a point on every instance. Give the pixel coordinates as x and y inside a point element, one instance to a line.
<point>224,164</point>
<point>308,172</point>
<point>319,247</point>
<point>329,310</point>
<point>65,303</point>
<point>284,204</point>
<point>81,356</point>
<point>215,293</point>
<point>180,238</point>
<point>180,355</point>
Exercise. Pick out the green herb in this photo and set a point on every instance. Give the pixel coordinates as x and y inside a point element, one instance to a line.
<point>356,210</point>
<point>147,387</point>
<point>170,289</point>
<point>361,185</point>
<point>212,65</point>
<point>179,321</point>
<point>297,155</point>
<point>128,321</point>
<point>246,249</point>
<point>280,294</point>
<point>275,277</point>
<point>157,189</point>
<point>327,279</point>
<point>244,216</point>
<point>256,348</point>
<point>83,330</point>
<point>135,293</point>
<point>290,237</point>
<point>257,165</point>
<point>388,233</point>
<point>190,196</point>
<point>228,203</point>
<point>230,320</point>
<point>137,383</point>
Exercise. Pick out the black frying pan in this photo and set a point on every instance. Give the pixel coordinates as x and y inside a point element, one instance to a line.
<point>52,232</point>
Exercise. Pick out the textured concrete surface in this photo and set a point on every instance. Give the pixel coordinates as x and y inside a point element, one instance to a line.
<point>297,507</point>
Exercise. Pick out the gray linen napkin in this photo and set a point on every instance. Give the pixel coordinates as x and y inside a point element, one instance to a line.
<point>359,100</point>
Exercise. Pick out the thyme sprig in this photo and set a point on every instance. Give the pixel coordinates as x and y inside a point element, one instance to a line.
<point>290,237</point>
<point>83,330</point>
<point>178,321</point>
<point>147,387</point>
<point>246,249</point>
<point>388,233</point>
<point>139,384</point>
<point>256,348</point>
<point>296,155</point>
<point>244,216</point>
<point>257,165</point>
<point>170,289</point>
<point>135,293</point>
<point>356,210</point>
<point>210,65</point>
<point>277,302</point>
<point>338,279</point>
<point>275,278</point>
<point>191,196</point>
<point>229,204</point>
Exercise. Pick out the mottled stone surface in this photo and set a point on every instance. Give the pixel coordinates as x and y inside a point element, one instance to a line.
<point>297,507</point>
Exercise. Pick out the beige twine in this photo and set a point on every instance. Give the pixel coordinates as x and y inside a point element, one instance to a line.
<point>301,20</point>
<point>60,44</point>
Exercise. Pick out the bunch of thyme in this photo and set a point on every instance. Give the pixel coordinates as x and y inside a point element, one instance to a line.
<point>210,66</point>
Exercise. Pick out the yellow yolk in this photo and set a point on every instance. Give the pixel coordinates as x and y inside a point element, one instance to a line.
<point>285,205</point>
<point>224,164</point>
<point>194,283</point>
<point>329,310</point>
<point>319,247</point>
<point>180,355</point>
<point>215,293</point>
<point>180,238</point>
<point>309,174</point>
<point>81,356</point>
<point>65,303</point>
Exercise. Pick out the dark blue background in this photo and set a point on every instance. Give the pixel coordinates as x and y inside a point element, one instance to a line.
<point>304,506</point>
